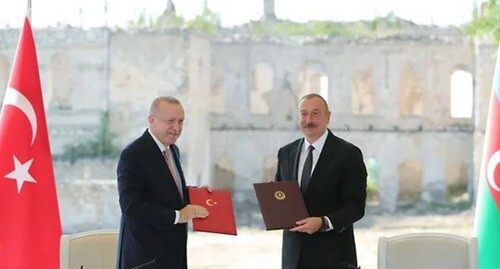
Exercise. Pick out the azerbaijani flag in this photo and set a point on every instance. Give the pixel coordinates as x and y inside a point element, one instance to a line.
<point>487,218</point>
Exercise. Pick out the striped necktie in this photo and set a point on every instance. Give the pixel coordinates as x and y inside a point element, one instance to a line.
<point>171,165</point>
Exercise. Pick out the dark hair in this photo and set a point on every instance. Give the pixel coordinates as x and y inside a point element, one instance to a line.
<point>314,95</point>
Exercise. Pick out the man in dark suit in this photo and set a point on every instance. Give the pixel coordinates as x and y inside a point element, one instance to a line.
<point>332,177</point>
<point>153,196</point>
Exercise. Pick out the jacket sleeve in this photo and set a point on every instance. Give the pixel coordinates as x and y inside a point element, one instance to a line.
<point>353,192</point>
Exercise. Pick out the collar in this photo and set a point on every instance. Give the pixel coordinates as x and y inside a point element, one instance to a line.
<point>158,142</point>
<point>318,144</point>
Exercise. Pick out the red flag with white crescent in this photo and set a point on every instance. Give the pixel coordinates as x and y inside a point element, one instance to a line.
<point>30,227</point>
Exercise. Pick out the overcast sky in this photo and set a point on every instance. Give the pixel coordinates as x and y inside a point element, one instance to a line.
<point>88,13</point>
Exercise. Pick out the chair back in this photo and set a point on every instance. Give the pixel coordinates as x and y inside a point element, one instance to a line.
<point>89,250</point>
<point>427,251</point>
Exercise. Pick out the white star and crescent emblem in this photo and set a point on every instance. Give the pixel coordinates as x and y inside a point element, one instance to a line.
<point>21,170</point>
<point>15,98</point>
<point>21,173</point>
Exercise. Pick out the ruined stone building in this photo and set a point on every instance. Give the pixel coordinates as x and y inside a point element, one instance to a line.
<point>389,96</point>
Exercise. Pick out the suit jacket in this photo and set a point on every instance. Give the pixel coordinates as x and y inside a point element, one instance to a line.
<point>337,189</point>
<point>148,200</point>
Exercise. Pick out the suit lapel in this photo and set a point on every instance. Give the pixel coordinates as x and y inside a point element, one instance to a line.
<point>165,174</point>
<point>324,157</point>
<point>154,151</point>
<point>176,156</point>
<point>296,158</point>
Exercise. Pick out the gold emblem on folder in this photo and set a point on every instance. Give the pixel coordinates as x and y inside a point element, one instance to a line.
<point>210,202</point>
<point>279,195</point>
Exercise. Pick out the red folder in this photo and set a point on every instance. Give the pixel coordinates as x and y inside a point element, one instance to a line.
<point>220,208</point>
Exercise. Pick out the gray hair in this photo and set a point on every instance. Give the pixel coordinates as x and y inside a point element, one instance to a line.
<point>158,100</point>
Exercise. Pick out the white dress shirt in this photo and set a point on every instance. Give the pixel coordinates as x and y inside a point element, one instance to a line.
<point>318,147</point>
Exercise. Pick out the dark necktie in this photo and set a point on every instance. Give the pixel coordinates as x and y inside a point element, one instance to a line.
<point>306,171</point>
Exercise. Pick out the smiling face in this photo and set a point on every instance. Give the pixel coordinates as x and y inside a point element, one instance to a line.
<point>314,117</point>
<point>166,120</point>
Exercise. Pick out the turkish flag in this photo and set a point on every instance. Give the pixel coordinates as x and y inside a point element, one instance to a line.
<point>30,228</point>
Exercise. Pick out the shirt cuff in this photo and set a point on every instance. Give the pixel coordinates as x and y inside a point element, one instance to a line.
<point>177,216</point>
<point>329,225</point>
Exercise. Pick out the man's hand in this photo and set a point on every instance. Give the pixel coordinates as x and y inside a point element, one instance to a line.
<point>308,225</point>
<point>209,189</point>
<point>190,212</point>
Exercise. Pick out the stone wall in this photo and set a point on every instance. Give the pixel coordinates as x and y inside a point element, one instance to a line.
<point>407,94</point>
<point>390,96</point>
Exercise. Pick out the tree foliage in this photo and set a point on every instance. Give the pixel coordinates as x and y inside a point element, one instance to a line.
<point>208,22</point>
<point>378,27</point>
<point>486,23</point>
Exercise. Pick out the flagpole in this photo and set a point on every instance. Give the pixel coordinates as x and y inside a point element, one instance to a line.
<point>28,14</point>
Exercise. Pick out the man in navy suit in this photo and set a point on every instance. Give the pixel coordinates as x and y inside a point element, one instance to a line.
<point>153,196</point>
<point>332,177</point>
